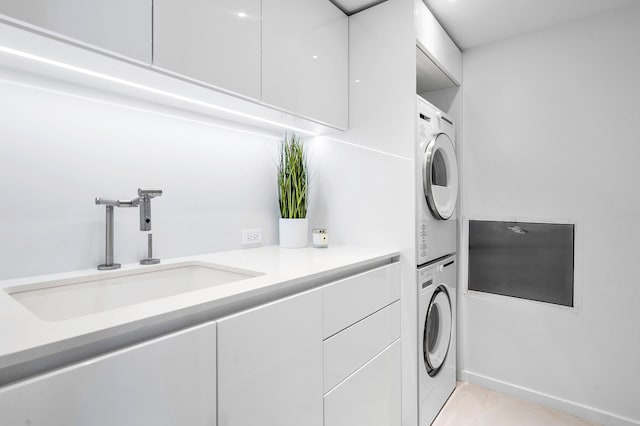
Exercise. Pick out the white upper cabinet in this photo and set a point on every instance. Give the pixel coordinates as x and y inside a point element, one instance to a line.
<point>434,42</point>
<point>119,26</point>
<point>216,42</point>
<point>305,59</point>
<point>288,54</point>
<point>270,364</point>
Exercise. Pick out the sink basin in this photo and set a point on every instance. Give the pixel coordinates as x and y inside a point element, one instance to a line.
<point>70,298</point>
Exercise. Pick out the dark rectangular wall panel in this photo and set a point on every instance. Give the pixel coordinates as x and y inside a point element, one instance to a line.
<point>526,260</point>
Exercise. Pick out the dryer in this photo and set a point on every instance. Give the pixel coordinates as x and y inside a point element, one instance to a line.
<point>436,183</point>
<point>437,336</point>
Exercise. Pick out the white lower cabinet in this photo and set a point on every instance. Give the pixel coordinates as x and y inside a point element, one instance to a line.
<point>369,397</point>
<point>270,364</point>
<point>362,356</point>
<point>166,381</point>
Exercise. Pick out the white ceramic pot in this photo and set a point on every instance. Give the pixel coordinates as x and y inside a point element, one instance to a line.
<point>294,233</point>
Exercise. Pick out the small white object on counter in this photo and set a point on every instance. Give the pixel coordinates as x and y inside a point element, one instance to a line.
<point>321,238</point>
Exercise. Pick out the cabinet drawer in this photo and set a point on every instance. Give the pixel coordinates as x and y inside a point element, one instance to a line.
<point>371,396</point>
<point>347,301</point>
<point>350,349</point>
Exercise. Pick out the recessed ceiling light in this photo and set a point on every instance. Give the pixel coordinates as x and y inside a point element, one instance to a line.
<point>357,81</point>
<point>242,14</point>
<point>315,56</point>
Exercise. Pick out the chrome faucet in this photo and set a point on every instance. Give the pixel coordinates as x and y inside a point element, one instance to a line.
<point>144,201</point>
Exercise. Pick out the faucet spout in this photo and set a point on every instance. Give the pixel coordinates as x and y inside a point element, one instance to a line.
<point>108,240</point>
<point>117,203</point>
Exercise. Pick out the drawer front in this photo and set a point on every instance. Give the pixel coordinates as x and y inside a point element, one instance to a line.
<point>352,348</point>
<point>347,301</point>
<point>371,396</point>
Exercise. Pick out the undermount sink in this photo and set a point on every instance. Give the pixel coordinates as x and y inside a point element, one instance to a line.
<point>57,300</point>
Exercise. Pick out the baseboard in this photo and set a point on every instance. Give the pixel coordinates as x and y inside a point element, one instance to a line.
<point>560,404</point>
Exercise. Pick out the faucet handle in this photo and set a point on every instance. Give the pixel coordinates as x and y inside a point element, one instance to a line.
<point>145,195</point>
<point>149,192</point>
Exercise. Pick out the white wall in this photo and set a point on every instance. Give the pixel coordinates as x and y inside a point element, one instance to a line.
<point>359,194</point>
<point>551,131</point>
<point>63,148</point>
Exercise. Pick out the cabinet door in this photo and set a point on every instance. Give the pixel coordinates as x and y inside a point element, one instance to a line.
<point>216,42</point>
<point>119,26</point>
<point>166,381</point>
<point>371,396</point>
<point>305,59</point>
<point>270,364</point>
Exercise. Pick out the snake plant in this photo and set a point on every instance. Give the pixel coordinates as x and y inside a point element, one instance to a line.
<point>293,178</point>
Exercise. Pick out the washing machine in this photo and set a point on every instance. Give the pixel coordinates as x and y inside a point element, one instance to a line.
<point>436,183</point>
<point>437,336</point>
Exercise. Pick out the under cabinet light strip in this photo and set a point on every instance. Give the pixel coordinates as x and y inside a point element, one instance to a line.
<point>366,148</point>
<point>80,70</point>
<point>243,129</point>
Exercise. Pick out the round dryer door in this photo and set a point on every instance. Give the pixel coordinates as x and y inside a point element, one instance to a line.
<point>440,176</point>
<point>437,331</point>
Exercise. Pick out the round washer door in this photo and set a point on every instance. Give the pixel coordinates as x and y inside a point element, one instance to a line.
<point>440,176</point>
<point>437,331</point>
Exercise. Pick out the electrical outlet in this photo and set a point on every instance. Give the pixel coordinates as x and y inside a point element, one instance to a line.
<point>252,236</point>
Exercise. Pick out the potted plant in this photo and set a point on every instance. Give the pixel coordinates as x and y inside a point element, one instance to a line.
<point>293,179</point>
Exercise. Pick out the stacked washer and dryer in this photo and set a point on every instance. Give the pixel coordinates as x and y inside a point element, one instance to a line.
<point>437,193</point>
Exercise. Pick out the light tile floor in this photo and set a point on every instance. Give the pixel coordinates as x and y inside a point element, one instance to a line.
<point>472,405</point>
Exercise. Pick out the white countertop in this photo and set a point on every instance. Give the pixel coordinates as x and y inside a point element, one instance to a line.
<point>25,337</point>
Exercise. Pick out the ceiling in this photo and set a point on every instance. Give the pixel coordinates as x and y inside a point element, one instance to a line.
<point>475,22</point>
<point>354,6</point>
